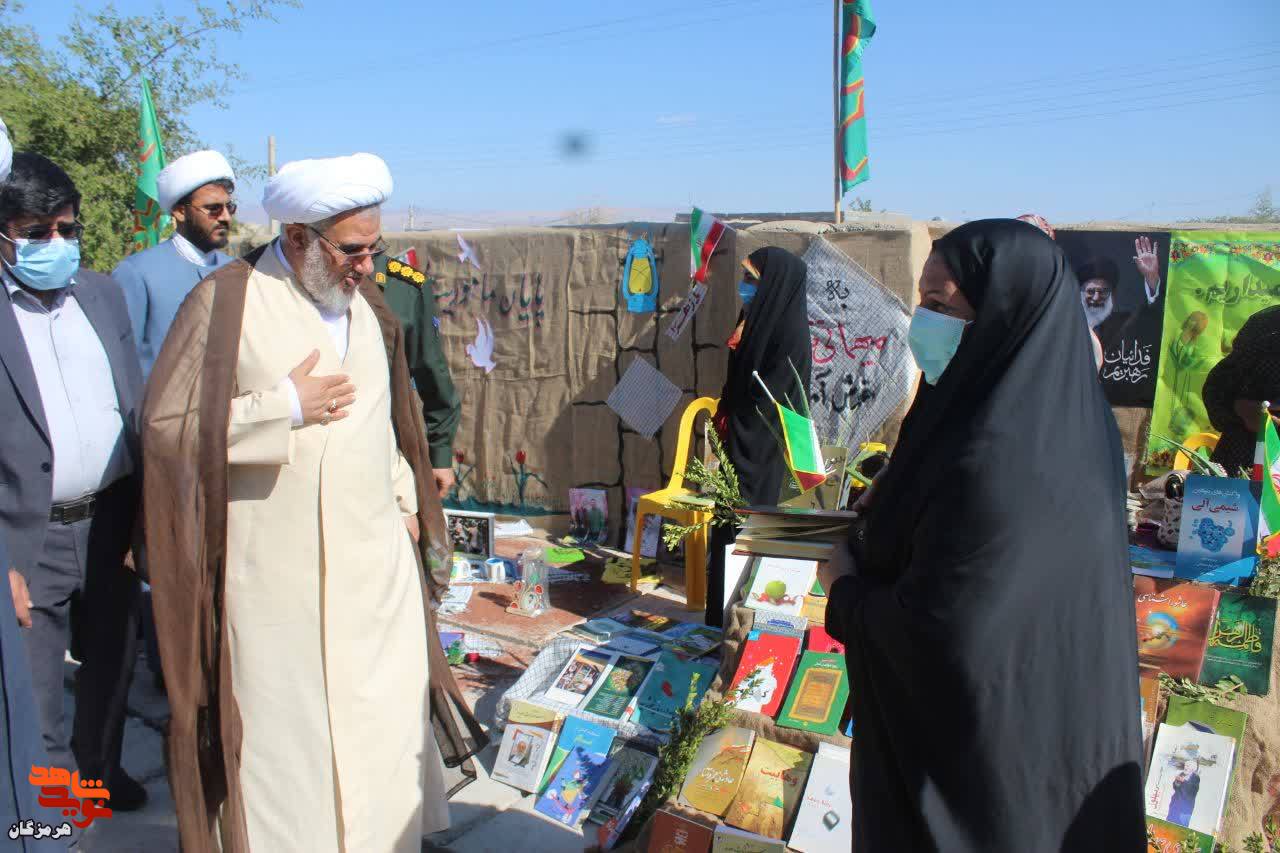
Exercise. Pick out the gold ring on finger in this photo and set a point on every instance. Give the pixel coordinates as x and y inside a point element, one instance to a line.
<point>333,406</point>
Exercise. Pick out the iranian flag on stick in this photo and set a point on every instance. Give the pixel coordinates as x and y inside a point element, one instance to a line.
<point>1271,489</point>
<point>800,437</point>
<point>705,232</point>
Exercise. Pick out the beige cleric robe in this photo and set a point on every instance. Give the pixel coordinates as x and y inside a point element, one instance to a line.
<point>324,607</point>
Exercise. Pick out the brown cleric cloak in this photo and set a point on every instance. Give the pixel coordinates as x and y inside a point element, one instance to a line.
<point>184,445</point>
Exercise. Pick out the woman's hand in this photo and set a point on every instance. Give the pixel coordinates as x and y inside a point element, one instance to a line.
<point>863,503</point>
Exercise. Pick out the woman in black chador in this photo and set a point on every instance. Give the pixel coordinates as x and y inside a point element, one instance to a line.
<point>989,622</point>
<point>772,338</point>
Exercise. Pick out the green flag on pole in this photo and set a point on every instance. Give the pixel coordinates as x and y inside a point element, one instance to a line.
<point>149,220</point>
<point>858,27</point>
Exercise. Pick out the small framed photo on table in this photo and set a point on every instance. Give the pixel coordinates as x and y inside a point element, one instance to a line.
<point>471,533</point>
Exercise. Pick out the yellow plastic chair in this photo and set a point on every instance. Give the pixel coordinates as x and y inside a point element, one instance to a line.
<point>661,503</point>
<point>1209,440</point>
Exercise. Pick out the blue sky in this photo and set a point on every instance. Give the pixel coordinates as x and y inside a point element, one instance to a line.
<point>1090,110</point>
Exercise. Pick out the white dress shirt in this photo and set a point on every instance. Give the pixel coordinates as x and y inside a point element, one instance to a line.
<point>77,392</point>
<point>188,250</point>
<point>339,331</point>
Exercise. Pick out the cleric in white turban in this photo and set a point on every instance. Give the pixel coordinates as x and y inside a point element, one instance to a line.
<point>307,539</point>
<point>196,190</point>
<point>307,191</point>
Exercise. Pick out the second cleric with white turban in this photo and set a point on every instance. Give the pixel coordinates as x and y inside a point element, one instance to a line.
<point>196,190</point>
<point>290,513</point>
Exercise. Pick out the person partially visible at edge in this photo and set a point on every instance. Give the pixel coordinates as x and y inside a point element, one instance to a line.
<point>22,747</point>
<point>408,292</point>
<point>69,462</point>
<point>1237,386</point>
<point>983,595</point>
<point>196,191</point>
<point>771,336</point>
<point>312,706</point>
<point>1043,224</point>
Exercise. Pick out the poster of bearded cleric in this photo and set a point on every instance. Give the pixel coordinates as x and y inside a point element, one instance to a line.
<point>1122,277</point>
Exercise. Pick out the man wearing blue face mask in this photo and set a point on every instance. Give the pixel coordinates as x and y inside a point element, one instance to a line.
<point>69,460</point>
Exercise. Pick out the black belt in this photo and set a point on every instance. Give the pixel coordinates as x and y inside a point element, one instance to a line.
<point>73,511</point>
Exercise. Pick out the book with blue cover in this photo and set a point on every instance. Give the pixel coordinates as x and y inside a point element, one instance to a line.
<point>586,757</point>
<point>1219,524</point>
<point>669,687</point>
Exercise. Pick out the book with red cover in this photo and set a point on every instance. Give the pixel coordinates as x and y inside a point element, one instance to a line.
<point>671,832</point>
<point>764,672</point>
<point>1174,620</point>
<point>822,642</point>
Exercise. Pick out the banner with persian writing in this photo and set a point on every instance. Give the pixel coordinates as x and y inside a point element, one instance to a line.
<point>1217,280</point>
<point>1122,292</point>
<point>862,368</point>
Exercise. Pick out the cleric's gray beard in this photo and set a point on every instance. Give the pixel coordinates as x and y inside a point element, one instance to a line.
<point>1096,316</point>
<point>322,286</point>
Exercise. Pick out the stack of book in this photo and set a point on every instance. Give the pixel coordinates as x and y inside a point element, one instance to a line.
<point>583,775</point>
<point>798,679</point>
<point>803,533</point>
<point>1192,767</point>
<point>770,796</point>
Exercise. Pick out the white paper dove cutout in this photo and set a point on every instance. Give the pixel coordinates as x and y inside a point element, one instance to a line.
<point>481,351</point>
<point>468,254</point>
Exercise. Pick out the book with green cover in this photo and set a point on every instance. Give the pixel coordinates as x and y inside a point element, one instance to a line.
<point>1241,641</point>
<point>819,691</point>
<point>1171,838</point>
<point>1207,717</point>
<point>618,687</point>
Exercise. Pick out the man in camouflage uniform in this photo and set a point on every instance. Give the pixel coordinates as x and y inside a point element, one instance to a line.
<point>408,292</point>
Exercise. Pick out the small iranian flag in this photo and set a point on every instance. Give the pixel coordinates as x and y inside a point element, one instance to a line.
<point>409,256</point>
<point>1271,489</point>
<point>800,440</point>
<point>705,232</point>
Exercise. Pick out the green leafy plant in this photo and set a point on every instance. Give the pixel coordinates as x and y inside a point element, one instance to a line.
<point>1224,691</point>
<point>1255,843</point>
<point>1199,464</point>
<point>692,723</point>
<point>720,486</point>
<point>75,100</point>
<point>1266,580</point>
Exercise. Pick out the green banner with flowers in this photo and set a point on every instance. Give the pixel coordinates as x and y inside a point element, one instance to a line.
<point>1217,280</point>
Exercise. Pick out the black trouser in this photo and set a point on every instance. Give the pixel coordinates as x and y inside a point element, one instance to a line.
<point>85,600</point>
<point>721,537</point>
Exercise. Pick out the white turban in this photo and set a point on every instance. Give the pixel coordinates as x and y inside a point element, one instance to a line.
<point>188,174</point>
<point>307,191</point>
<point>6,151</point>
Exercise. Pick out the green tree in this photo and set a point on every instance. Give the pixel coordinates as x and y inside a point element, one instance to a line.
<point>77,104</point>
<point>1262,212</point>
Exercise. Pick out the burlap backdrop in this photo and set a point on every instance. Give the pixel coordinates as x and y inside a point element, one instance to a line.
<point>1255,789</point>
<point>563,338</point>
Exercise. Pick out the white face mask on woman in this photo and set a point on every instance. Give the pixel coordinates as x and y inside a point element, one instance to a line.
<point>934,339</point>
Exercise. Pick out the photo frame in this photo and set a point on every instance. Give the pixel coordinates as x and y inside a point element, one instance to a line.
<point>471,533</point>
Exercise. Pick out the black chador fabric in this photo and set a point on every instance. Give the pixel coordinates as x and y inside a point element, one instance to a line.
<point>990,629</point>
<point>775,336</point>
<point>775,329</point>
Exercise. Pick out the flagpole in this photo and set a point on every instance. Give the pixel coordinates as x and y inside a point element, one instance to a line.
<point>835,89</point>
<point>271,171</point>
